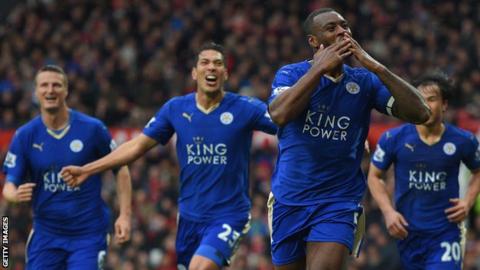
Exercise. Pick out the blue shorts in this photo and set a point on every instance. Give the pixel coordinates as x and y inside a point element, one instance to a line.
<point>47,252</point>
<point>439,251</point>
<point>294,226</point>
<point>216,240</point>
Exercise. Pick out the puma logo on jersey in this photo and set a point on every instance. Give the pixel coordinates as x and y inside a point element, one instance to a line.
<point>187,116</point>
<point>409,146</point>
<point>38,146</point>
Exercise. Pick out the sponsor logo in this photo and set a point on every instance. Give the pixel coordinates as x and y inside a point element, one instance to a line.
<point>53,182</point>
<point>113,145</point>
<point>280,90</point>
<point>206,153</point>
<point>379,154</point>
<point>10,160</point>
<point>409,146</point>
<point>427,180</point>
<point>187,116</point>
<point>326,126</point>
<point>38,146</point>
<point>150,122</point>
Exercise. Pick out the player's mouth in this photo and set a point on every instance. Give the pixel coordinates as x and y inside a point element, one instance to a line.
<point>51,99</point>
<point>211,80</point>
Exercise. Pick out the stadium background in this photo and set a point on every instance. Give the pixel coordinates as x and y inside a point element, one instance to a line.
<point>125,58</point>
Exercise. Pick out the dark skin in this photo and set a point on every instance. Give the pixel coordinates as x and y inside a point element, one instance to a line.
<point>332,43</point>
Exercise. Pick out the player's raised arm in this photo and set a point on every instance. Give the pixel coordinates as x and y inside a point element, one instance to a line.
<point>124,154</point>
<point>409,104</point>
<point>124,193</point>
<point>290,104</point>
<point>395,222</point>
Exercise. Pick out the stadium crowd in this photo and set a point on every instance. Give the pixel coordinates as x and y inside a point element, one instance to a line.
<point>125,58</point>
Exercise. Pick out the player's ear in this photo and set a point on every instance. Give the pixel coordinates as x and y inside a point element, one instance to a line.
<point>444,105</point>
<point>194,74</point>
<point>313,42</point>
<point>225,74</point>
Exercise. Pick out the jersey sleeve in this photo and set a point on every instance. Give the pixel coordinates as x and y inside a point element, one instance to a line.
<point>472,155</point>
<point>284,79</point>
<point>160,127</point>
<point>105,142</point>
<point>15,163</point>
<point>384,100</point>
<point>383,156</point>
<point>261,118</point>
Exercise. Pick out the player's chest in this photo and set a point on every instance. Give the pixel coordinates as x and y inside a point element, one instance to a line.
<point>48,152</point>
<point>347,99</point>
<point>416,154</point>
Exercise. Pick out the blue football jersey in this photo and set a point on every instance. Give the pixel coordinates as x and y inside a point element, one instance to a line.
<point>320,151</point>
<point>213,151</point>
<point>426,176</point>
<point>37,155</point>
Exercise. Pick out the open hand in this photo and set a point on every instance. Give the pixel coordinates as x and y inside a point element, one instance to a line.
<point>458,212</point>
<point>331,57</point>
<point>362,56</point>
<point>396,224</point>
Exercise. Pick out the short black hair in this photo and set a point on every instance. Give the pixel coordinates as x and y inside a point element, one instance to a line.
<point>308,23</point>
<point>52,68</point>
<point>440,79</point>
<point>210,46</point>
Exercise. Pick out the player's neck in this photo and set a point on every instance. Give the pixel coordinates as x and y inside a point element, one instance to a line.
<point>56,120</point>
<point>431,134</point>
<point>208,102</point>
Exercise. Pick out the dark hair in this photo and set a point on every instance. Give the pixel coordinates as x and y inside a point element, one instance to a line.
<point>440,79</point>
<point>210,46</point>
<point>308,23</point>
<point>53,68</point>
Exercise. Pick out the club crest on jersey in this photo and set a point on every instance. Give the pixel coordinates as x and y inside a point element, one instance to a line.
<point>449,148</point>
<point>352,87</point>
<point>76,146</point>
<point>226,118</point>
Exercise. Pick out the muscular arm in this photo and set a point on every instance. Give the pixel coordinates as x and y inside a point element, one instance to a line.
<point>409,104</point>
<point>124,193</point>
<point>14,194</point>
<point>124,154</point>
<point>395,222</point>
<point>378,189</point>
<point>291,103</point>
